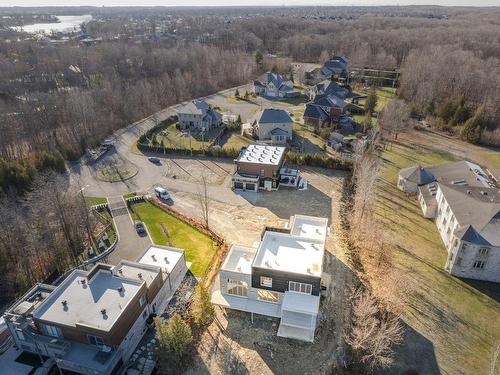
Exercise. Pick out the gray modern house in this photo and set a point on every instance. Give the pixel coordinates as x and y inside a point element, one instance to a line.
<point>280,278</point>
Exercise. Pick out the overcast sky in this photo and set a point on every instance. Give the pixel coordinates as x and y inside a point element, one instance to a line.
<point>244,2</point>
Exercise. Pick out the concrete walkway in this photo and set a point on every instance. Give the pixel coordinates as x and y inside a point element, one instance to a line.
<point>130,244</point>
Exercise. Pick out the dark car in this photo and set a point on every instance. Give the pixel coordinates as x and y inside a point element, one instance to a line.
<point>140,228</point>
<point>155,160</point>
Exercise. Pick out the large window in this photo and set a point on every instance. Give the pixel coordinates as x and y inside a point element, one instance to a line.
<point>52,331</point>
<point>95,340</point>
<point>479,264</point>
<point>237,288</point>
<point>268,296</point>
<point>294,286</point>
<point>484,251</point>
<point>266,281</point>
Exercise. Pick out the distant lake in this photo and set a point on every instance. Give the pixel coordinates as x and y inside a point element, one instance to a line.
<point>65,24</point>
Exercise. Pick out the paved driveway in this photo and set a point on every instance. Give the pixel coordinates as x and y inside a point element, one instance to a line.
<point>130,244</point>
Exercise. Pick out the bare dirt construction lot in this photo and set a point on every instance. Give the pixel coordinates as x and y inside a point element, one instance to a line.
<point>233,344</point>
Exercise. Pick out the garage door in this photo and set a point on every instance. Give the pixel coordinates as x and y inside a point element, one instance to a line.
<point>238,185</point>
<point>250,187</point>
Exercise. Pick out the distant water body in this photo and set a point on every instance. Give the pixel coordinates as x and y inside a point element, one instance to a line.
<point>65,24</point>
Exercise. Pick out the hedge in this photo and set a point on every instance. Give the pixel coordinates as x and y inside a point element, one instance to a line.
<point>162,125</point>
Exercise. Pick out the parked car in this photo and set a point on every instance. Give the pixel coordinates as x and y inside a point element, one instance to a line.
<point>162,194</point>
<point>154,160</point>
<point>140,228</point>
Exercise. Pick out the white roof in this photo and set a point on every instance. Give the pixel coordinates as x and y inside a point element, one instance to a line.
<point>283,252</point>
<point>310,227</point>
<point>84,301</point>
<point>161,256</point>
<point>138,271</point>
<point>300,251</point>
<point>260,154</point>
<point>300,302</point>
<point>239,259</point>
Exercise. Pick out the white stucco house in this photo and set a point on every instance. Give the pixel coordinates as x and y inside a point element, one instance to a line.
<point>198,116</point>
<point>411,178</point>
<point>465,205</point>
<point>273,125</point>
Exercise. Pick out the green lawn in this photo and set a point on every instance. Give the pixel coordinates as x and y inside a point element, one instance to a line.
<point>199,248</point>
<point>173,137</point>
<point>236,141</point>
<point>455,317</point>
<point>129,195</point>
<point>93,201</point>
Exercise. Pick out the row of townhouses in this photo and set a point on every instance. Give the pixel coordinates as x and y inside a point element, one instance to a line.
<point>93,320</point>
<point>464,202</point>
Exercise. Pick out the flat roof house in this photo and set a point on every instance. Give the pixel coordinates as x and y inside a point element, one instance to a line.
<point>274,125</point>
<point>258,166</point>
<point>281,278</point>
<point>465,205</point>
<point>92,321</point>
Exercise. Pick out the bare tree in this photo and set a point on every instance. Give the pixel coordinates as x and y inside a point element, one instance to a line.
<point>373,332</point>
<point>395,117</point>
<point>204,198</point>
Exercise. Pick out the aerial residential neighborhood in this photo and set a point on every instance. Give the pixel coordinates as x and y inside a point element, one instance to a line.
<point>249,189</point>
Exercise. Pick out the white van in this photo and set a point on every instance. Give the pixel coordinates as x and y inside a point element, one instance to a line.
<point>162,194</point>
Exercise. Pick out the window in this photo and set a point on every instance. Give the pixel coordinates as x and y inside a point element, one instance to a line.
<point>95,340</point>
<point>262,172</point>
<point>142,301</point>
<point>268,296</point>
<point>266,281</point>
<point>464,246</point>
<point>52,331</point>
<point>294,286</point>
<point>144,314</point>
<point>448,210</point>
<point>20,335</point>
<point>484,251</point>
<point>237,288</point>
<point>479,264</point>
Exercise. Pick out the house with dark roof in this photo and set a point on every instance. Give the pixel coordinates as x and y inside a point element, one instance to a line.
<point>327,88</point>
<point>197,115</point>
<point>324,111</point>
<point>465,205</point>
<point>275,86</point>
<point>411,178</point>
<point>336,66</point>
<point>273,125</point>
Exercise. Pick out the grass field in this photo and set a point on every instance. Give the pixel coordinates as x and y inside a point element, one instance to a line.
<point>92,201</point>
<point>457,318</point>
<point>173,137</point>
<point>236,141</point>
<point>199,248</point>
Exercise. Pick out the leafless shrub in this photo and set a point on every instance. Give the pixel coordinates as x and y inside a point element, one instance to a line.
<point>373,332</point>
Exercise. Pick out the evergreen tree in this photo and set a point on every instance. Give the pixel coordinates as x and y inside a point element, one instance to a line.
<point>259,58</point>
<point>237,93</point>
<point>173,336</point>
<point>471,132</point>
<point>202,309</point>
<point>371,102</point>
